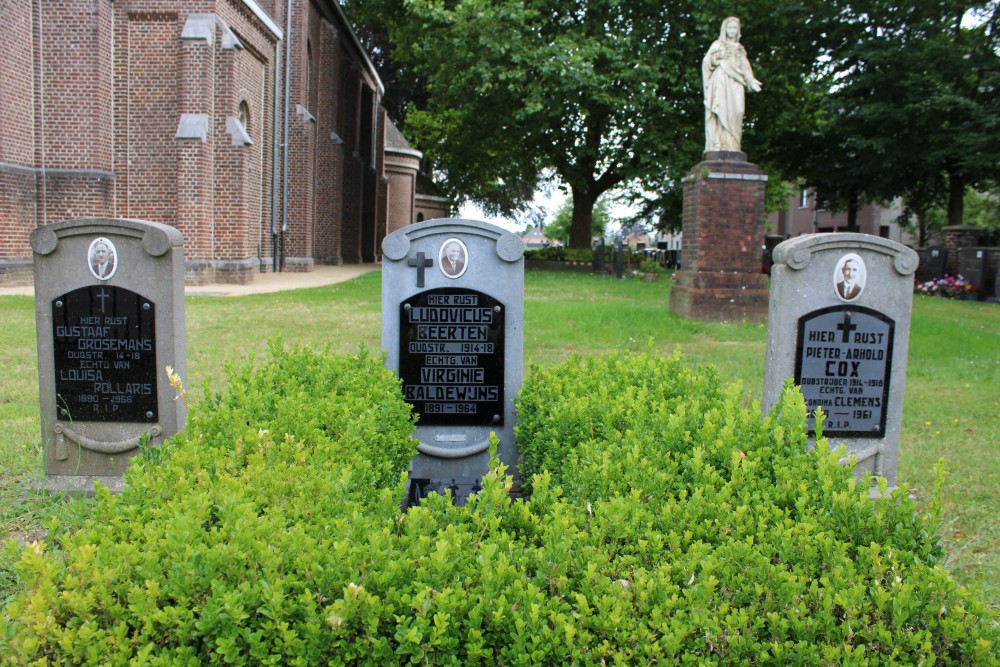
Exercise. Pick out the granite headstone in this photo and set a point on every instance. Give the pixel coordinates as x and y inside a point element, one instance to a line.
<point>109,308</point>
<point>932,263</point>
<point>452,327</point>
<point>839,325</point>
<point>972,267</point>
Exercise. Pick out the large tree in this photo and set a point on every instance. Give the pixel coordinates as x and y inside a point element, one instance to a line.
<point>604,92</point>
<point>562,222</point>
<point>914,107</point>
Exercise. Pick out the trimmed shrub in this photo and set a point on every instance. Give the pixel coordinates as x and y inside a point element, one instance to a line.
<point>667,525</point>
<point>560,254</point>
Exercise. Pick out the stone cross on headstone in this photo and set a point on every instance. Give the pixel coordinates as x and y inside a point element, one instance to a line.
<point>109,309</point>
<point>421,262</point>
<point>846,327</point>
<point>839,326</point>
<point>455,336</point>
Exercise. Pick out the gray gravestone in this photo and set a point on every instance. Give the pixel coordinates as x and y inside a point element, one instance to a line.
<point>599,262</point>
<point>452,327</point>
<point>932,262</point>
<point>109,309</point>
<point>839,325</point>
<point>972,267</point>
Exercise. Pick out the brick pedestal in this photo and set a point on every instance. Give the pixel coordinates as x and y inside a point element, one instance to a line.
<point>723,225</point>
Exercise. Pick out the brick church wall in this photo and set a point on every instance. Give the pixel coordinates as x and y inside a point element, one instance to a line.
<point>92,101</point>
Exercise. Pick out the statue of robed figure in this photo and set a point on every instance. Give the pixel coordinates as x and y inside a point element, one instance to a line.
<point>726,75</point>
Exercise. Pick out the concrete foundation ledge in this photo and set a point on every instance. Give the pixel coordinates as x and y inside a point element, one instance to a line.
<point>78,485</point>
<point>299,264</point>
<point>16,273</point>
<point>204,272</point>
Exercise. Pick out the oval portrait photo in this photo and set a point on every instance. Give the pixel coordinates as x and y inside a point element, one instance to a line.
<point>453,258</point>
<point>849,277</point>
<point>102,257</point>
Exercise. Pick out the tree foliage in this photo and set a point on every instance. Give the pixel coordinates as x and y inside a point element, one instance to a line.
<point>865,99</point>
<point>914,107</point>
<point>604,92</point>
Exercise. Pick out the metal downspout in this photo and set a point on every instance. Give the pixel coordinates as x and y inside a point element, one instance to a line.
<point>288,94</point>
<point>275,157</point>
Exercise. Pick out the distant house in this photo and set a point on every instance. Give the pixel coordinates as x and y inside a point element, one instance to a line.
<point>254,130</point>
<point>535,238</point>
<point>803,217</point>
<point>667,240</point>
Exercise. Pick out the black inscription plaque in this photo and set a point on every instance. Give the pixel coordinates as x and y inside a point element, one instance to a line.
<point>451,356</point>
<point>104,343</point>
<point>843,364</point>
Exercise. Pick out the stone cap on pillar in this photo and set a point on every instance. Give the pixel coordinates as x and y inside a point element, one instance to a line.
<point>725,156</point>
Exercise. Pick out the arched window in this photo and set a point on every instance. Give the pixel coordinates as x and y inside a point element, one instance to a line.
<point>245,115</point>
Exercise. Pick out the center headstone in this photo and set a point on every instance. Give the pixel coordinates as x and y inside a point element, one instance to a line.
<point>109,308</point>
<point>452,327</point>
<point>839,326</point>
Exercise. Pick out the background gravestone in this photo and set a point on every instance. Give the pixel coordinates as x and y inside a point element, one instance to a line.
<point>844,344</point>
<point>972,267</point>
<point>452,327</point>
<point>109,309</point>
<point>932,264</point>
<point>599,262</point>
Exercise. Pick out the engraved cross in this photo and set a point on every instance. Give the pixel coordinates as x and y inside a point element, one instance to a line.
<point>421,261</point>
<point>103,296</point>
<point>846,327</point>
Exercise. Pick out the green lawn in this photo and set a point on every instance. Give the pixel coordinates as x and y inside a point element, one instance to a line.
<point>951,413</point>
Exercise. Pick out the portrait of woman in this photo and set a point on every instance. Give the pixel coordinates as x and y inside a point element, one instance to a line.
<point>726,75</point>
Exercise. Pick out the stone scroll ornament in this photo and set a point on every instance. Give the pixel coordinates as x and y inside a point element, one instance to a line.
<point>726,75</point>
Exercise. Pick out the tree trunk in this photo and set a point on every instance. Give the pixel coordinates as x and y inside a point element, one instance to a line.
<point>956,198</point>
<point>852,212</point>
<point>580,229</point>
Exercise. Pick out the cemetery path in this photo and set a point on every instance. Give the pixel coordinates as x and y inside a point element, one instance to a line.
<point>262,282</point>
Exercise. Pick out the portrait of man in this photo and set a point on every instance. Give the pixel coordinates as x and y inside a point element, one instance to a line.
<point>849,277</point>
<point>454,258</point>
<point>103,258</point>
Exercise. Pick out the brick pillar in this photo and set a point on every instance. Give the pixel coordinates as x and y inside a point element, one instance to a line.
<point>18,179</point>
<point>957,237</point>
<point>234,198</point>
<point>329,149</point>
<point>723,231</point>
<point>195,133</point>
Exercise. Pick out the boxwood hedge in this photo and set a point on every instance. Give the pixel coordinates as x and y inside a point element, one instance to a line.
<point>666,524</point>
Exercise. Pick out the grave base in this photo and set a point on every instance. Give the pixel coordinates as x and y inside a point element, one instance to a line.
<point>720,296</point>
<point>79,485</point>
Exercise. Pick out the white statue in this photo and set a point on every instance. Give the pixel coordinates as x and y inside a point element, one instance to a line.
<point>726,74</point>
